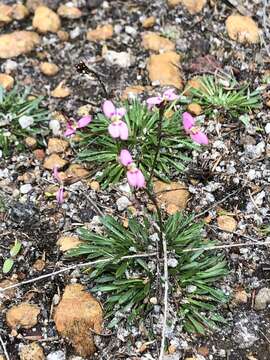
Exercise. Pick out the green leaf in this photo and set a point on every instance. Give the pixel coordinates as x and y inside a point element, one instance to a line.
<point>7,266</point>
<point>15,248</point>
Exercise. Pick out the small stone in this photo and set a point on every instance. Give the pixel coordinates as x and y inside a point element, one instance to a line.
<point>122,59</point>
<point>68,242</point>
<point>5,14</point>
<point>240,297</point>
<point>172,263</point>
<point>267,128</point>
<point>25,188</point>
<point>164,69</point>
<point>76,172</point>
<point>55,126</point>
<point>32,5</point>
<point>101,33</point>
<point>46,20</point>
<point>125,223</point>
<point>54,160</point>
<point>39,265</point>
<point>56,355</point>
<point>26,121</point>
<point>172,349</point>
<point>153,300</point>
<point>69,12</point>
<point>39,154</point>
<point>194,83</point>
<point>194,6</point>
<point>63,35</point>
<point>195,109</point>
<point>132,91</point>
<point>6,81</point>
<point>25,42</point>
<point>242,29</point>
<point>32,352</point>
<point>149,22</point>
<point>23,315</point>
<point>48,69</point>
<point>203,350</point>
<point>7,294</point>
<point>262,299</point>
<point>93,4</point>
<point>30,142</point>
<point>61,91</point>
<point>19,11</point>
<point>175,194</point>
<point>122,203</point>
<point>57,146</point>
<point>94,185</point>
<point>227,223</point>
<point>172,209</point>
<point>76,316</point>
<point>155,42</point>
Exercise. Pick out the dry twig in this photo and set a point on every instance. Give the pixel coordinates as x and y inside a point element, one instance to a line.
<point>4,348</point>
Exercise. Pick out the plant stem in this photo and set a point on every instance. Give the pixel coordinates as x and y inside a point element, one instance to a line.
<point>159,138</point>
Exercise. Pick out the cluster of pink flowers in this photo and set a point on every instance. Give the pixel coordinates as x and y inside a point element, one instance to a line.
<point>167,96</point>
<point>60,192</point>
<point>192,130</point>
<point>134,175</point>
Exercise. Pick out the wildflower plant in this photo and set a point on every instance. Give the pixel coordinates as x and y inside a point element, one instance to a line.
<point>140,141</point>
<point>135,129</point>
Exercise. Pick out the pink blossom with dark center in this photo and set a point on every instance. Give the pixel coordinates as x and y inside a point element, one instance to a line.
<point>194,132</point>
<point>168,96</point>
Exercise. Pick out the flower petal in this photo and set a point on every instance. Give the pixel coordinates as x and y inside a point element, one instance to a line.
<point>170,95</point>
<point>188,121</point>
<point>140,179</point>
<point>152,101</point>
<point>60,195</point>
<point>132,178</point>
<point>84,121</point>
<point>69,131</point>
<point>121,111</point>
<point>114,130</point>
<point>108,108</point>
<point>200,138</point>
<point>125,157</point>
<point>123,130</point>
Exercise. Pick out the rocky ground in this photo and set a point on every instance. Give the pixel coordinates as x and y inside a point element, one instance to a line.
<point>135,47</point>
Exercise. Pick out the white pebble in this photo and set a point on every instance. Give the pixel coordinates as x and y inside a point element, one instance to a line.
<point>25,188</point>
<point>26,121</point>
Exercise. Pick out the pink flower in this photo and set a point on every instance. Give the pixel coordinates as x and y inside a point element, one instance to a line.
<point>60,195</point>
<point>135,177</point>
<point>72,127</point>
<point>194,132</point>
<point>118,129</point>
<point>112,112</point>
<point>168,95</point>
<point>125,157</point>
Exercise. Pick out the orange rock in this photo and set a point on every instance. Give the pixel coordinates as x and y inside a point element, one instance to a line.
<point>61,91</point>
<point>23,315</point>
<point>94,185</point>
<point>57,146</point>
<point>76,315</point>
<point>227,223</point>
<point>242,29</point>
<point>155,42</point>
<point>194,6</point>
<point>48,69</point>
<point>54,160</point>
<point>6,81</point>
<point>104,32</point>
<point>63,35</point>
<point>19,11</point>
<point>46,20</point>
<point>5,14</point>
<point>194,109</point>
<point>149,22</point>
<point>25,42</point>
<point>132,90</point>
<point>30,142</point>
<point>164,69</point>
<point>173,196</point>
<point>39,265</point>
<point>76,172</point>
<point>194,83</point>
<point>39,154</point>
<point>68,242</point>
<point>69,12</point>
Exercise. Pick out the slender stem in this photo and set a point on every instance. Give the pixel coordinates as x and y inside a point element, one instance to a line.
<point>81,265</point>
<point>159,138</point>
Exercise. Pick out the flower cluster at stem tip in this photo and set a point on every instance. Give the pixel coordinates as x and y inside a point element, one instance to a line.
<point>118,129</point>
